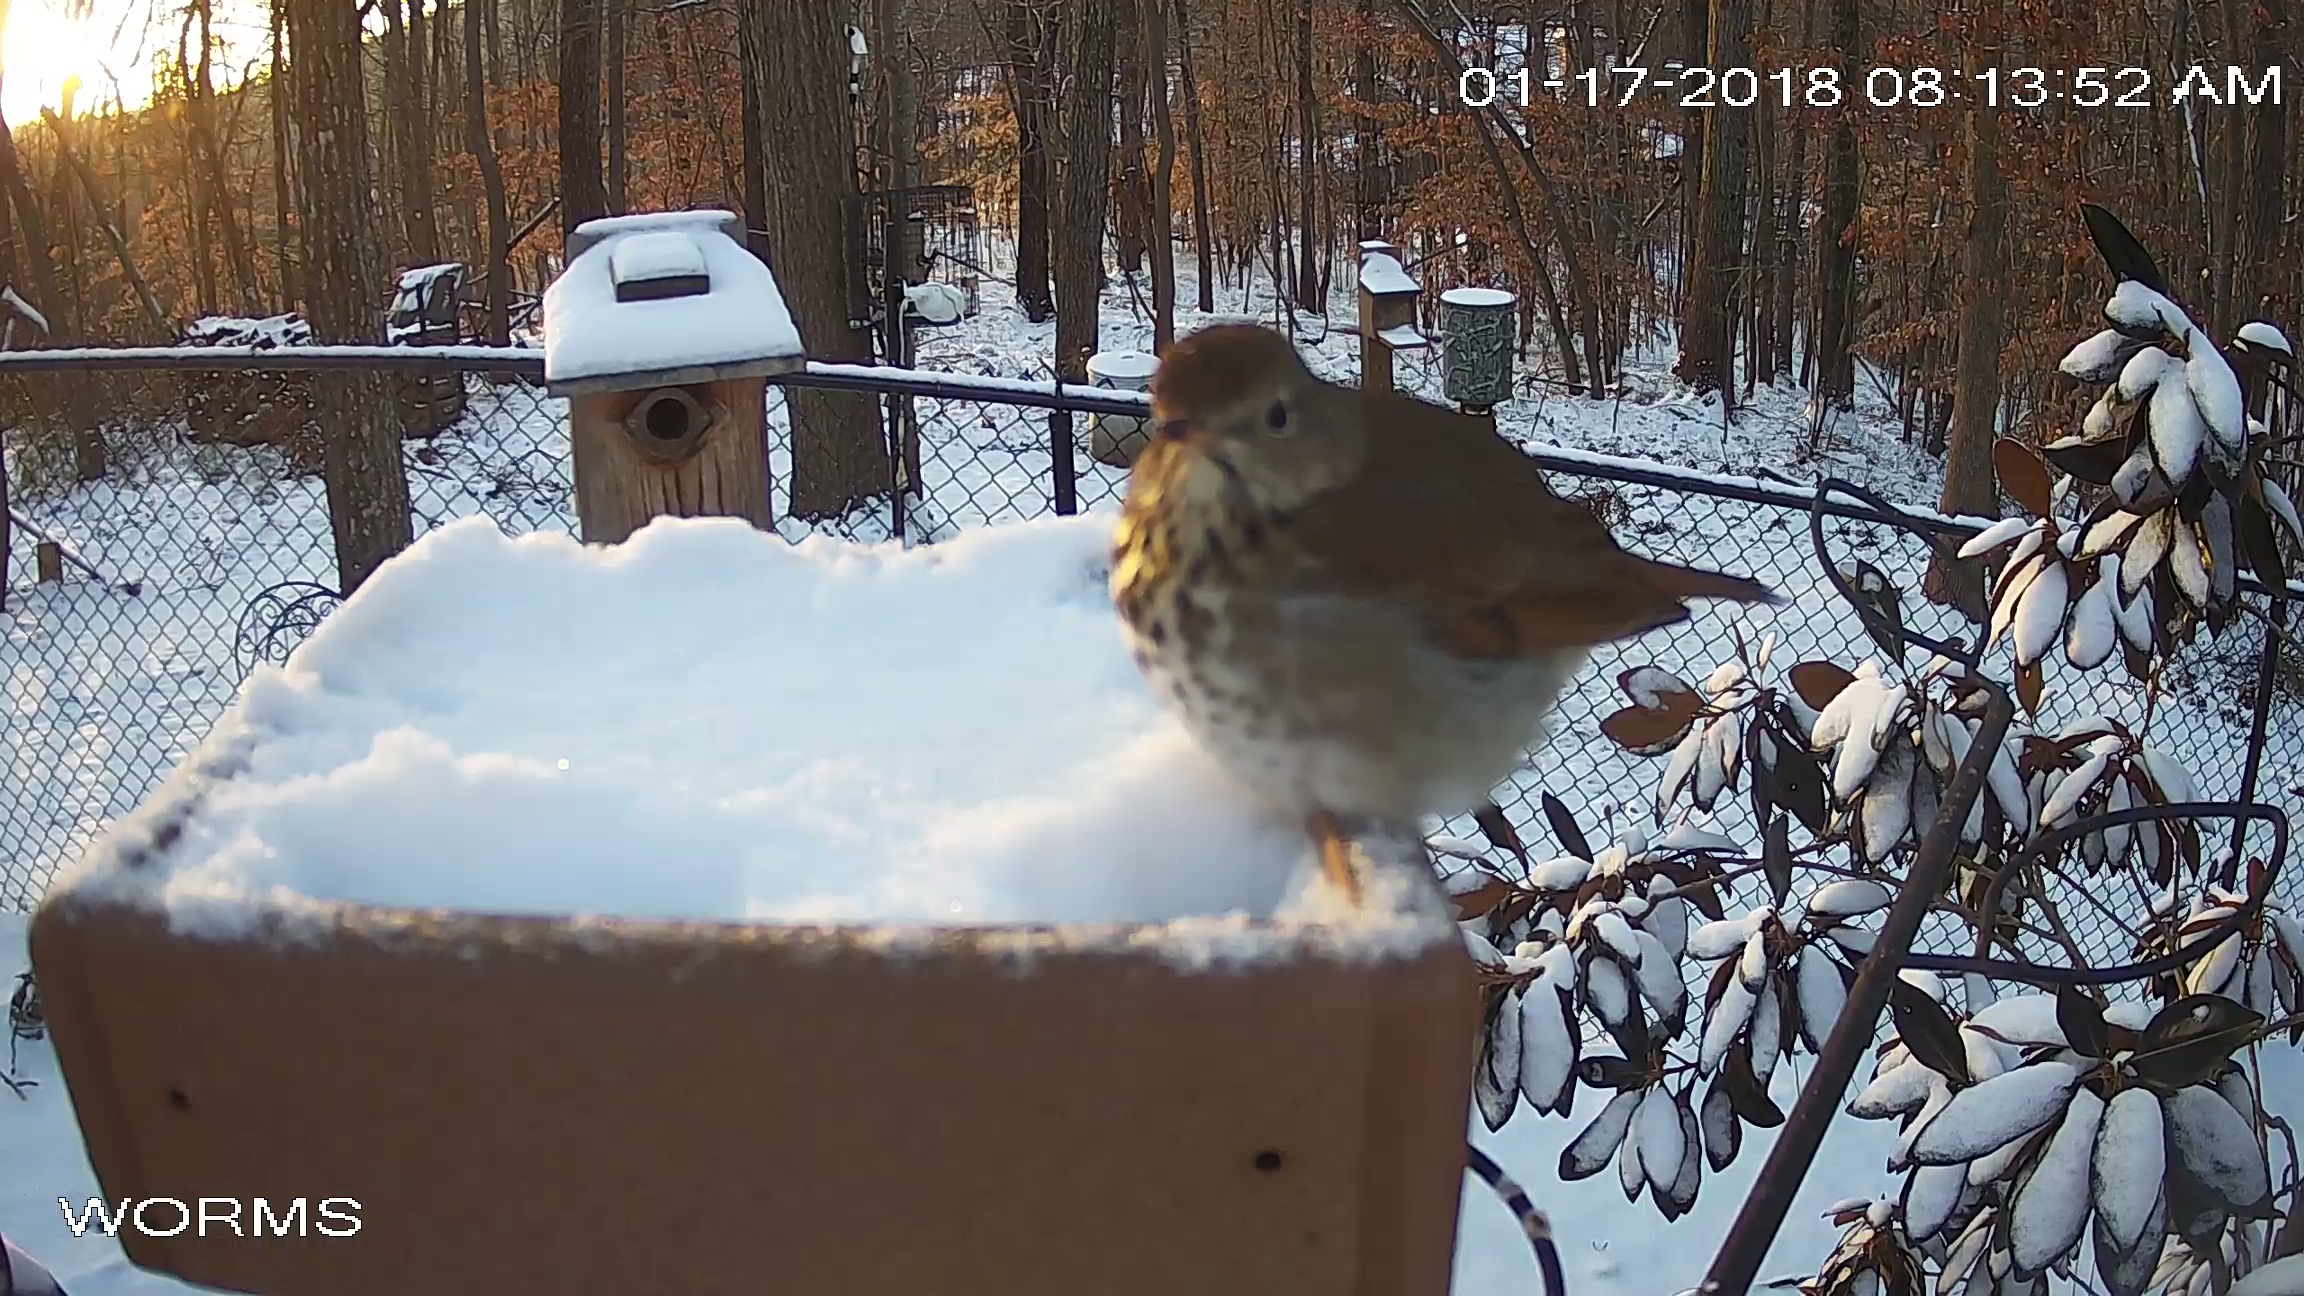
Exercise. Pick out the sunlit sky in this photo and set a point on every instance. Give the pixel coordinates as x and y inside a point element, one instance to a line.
<point>43,48</point>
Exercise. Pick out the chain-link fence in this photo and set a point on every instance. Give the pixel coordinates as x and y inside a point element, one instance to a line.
<point>203,547</point>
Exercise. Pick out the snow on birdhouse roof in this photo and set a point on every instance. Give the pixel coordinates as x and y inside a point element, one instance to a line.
<point>664,298</point>
<point>508,725</point>
<point>1476,297</point>
<point>1381,273</point>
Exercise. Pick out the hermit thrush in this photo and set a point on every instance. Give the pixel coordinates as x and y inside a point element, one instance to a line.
<point>1362,606</point>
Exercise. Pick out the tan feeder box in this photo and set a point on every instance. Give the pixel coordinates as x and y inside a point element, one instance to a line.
<point>1387,313</point>
<point>662,332</point>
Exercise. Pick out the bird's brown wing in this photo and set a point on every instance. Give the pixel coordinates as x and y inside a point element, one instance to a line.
<point>1457,521</point>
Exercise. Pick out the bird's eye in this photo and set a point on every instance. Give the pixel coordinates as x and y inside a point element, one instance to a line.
<point>1276,418</point>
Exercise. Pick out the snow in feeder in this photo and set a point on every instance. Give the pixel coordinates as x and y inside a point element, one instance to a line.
<point>1476,331</point>
<point>662,332</point>
<point>1116,439</point>
<point>842,913</point>
<point>1387,313</point>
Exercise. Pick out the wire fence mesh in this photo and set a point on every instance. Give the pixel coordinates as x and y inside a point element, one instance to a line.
<point>203,547</point>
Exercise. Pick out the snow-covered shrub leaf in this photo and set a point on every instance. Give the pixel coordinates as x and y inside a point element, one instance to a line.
<point>1496,1087</point>
<point>1849,898</point>
<point>2051,1209</point>
<point>1716,940</point>
<point>1548,1047</point>
<point>1879,605</point>
<point>2145,549</point>
<point>2178,434</point>
<point>1680,1197</point>
<point>2217,1146</point>
<point>1820,993</point>
<point>2187,564</point>
<point>1983,1118</point>
<point>1654,688</point>
<point>2215,390</point>
<point>1992,537</point>
<point>1896,1091</point>
<point>2040,614</point>
<point>2129,1164</point>
<point>2099,358</point>
<point>1729,1013</point>
<point>2189,1041</point>
<point>1723,1131</point>
<point>1927,1030</point>
<point>1657,1126</point>
<point>1931,1194</point>
<point>2022,475</point>
<point>1593,1148</point>
<point>2093,633</point>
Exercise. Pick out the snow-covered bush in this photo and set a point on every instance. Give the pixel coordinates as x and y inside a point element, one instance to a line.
<point>2060,1133</point>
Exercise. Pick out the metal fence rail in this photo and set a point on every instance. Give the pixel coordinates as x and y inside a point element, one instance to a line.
<point>195,557</point>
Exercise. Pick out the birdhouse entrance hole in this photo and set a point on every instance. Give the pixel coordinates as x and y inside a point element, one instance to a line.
<point>669,424</point>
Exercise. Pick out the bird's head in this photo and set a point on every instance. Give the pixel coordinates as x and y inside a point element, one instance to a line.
<point>1234,406</point>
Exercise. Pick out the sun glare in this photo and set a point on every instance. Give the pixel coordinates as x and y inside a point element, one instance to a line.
<point>45,51</point>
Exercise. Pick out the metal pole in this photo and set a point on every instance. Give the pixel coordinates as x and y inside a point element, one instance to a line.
<point>1762,1214</point>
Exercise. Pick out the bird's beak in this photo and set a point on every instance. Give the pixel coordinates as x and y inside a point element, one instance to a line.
<point>1180,429</point>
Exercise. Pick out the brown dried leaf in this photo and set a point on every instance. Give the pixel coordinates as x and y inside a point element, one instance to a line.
<point>2022,475</point>
<point>1818,682</point>
<point>1639,729</point>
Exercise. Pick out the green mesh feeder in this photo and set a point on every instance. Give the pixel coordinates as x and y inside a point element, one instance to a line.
<point>1477,327</point>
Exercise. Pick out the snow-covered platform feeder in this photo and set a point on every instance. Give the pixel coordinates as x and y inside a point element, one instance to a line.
<point>710,914</point>
<point>661,332</point>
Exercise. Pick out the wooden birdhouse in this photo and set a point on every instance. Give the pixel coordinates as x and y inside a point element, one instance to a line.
<point>1387,313</point>
<point>662,332</point>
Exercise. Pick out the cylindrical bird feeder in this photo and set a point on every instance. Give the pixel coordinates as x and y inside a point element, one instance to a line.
<point>1477,334</point>
<point>1116,439</point>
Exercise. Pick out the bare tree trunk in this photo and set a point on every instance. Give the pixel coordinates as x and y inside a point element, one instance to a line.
<point>366,480</point>
<point>1079,237</point>
<point>481,143</point>
<point>1968,484</point>
<point>1308,292</point>
<point>278,92</point>
<point>1131,195</point>
<point>619,160</point>
<point>14,189</point>
<point>839,459</point>
<point>1203,238</point>
<point>1031,81</point>
<point>200,97</point>
<point>1162,233</point>
<point>411,136</point>
<point>755,187</point>
<point>582,196</point>
<point>1836,235</point>
<point>1707,330</point>
<point>2259,239</point>
<point>1365,135</point>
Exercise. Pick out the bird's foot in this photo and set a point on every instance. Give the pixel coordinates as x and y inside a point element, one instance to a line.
<point>1335,854</point>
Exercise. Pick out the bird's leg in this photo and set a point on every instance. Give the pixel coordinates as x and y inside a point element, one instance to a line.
<point>1501,834</point>
<point>1335,853</point>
